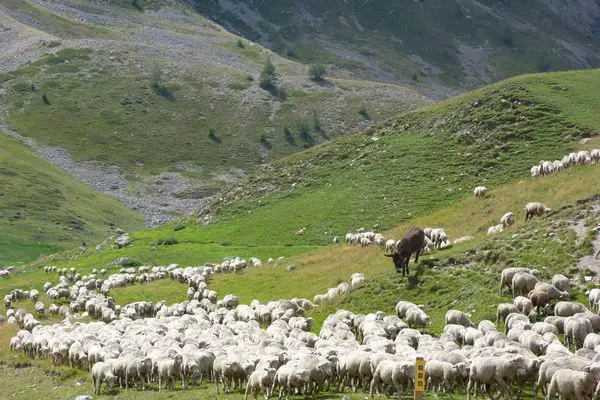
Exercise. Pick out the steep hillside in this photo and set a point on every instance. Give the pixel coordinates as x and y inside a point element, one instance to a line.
<point>437,46</point>
<point>43,209</point>
<point>409,167</point>
<point>166,100</point>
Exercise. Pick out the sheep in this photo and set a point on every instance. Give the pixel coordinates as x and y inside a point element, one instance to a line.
<point>462,239</point>
<point>552,291</point>
<point>507,275</point>
<point>402,307</point>
<point>550,367</point>
<point>495,372</point>
<point>417,317</point>
<point>393,374</point>
<point>492,230</point>
<point>260,380</point>
<point>390,245</point>
<point>357,279</point>
<point>138,368</point>
<point>301,231</point>
<point>503,310</point>
<point>169,369</point>
<point>535,209</point>
<point>568,308</point>
<point>458,317</point>
<point>336,240</point>
<point>507,219</point>
<point>480,191</point>
<point>365,242</point>
<point>535,171</point>
<point>289,378</point>
<point>438,236</point>
<point>412,242</point>
<point>574,384</point>
<point>523,283</point>
<point>39,308</point>
<point>576,329</point>
<point>561,282</point>
<point>102,372</point>
<point>524,305</point>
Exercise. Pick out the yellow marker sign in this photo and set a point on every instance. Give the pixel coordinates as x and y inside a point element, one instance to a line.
<point>419,378</point>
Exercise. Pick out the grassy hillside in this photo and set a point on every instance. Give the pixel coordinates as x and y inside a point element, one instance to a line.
<point>409,167</point>
<point>432,45</point>
<point>44,210</point>
<point>464,277</point>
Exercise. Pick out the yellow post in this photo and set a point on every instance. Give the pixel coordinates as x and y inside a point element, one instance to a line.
<point>419,378</point>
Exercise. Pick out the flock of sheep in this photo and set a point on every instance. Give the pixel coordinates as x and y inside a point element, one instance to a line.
<point>221,340</point>
<point>570,160</point>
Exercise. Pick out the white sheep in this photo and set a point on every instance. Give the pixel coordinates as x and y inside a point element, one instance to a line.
<point>574,384</point>
<point>260,380</point>
<point>458,317</point>
<point>480,191</point>
<point>492,230</point>
<point>390,246</point>
<point>507,219</point>
<point>102,372</point>
<point>535,209</point>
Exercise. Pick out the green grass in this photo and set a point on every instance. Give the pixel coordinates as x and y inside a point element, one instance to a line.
<point>43,209</point>
<point>122,121</point>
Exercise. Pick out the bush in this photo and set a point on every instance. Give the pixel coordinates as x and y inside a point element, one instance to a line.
<point>288,136</point>
<point>265,141</point>
<point>317,72</point>
<point>136,4</point>
<point>544,64</point>
<point>45,99</point>
<point>305,135</point>
<point>240,44</point>
<point>316,122</point>
<point>179,227</point>
<point>507,37</point>
<point>213,136</point>
<point>363,111</point>
<point>290,52</point>
<point>167,242</point>
<point>268,77</point>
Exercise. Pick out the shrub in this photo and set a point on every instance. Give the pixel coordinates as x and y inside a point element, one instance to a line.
<point>305,135</point>
<point>288,136</point>
<point>317,72</point>
<point>136,4</point>
<point>544,64</point>
<point>265,141</point>
<point>156,76</point>
<point>507,37</point>
<point>317,122</point>
<point>415,77</point>
<point>240,44</point>
<point>268,77</point>
<point>45,99</point>
<point>213,136</point>
<point>363,111</point>
<point>167,242</point>
<point>179,227</point>
<point>290,51</point>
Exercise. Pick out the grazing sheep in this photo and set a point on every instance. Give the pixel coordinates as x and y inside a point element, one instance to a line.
<point>102,372</point>
<point>523,283</point>
<point>301,231</point>
<point>417,317</point>
<point>169,369</point>
<point>539,300</point>
<point>39,308</point>
<point>561,282</point>
<point>507,219</point>
<point>494,372</point>
<point>412,242</point>
<point>480,191</point>
<point>336,240</point>
<point>402,307</point>
<point>552,291</point>
<point>524,305</point>
<point>507,275</point>
<point>594,298</point>
<point>503,310</point>
<point>458,317</point>
<point>568,308</point>
<point>535,209</point>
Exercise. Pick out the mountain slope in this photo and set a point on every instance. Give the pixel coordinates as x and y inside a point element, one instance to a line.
<point>43,209</point>
<point>438,46</point>
<point>167,100</point>
<point>409,167</point>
